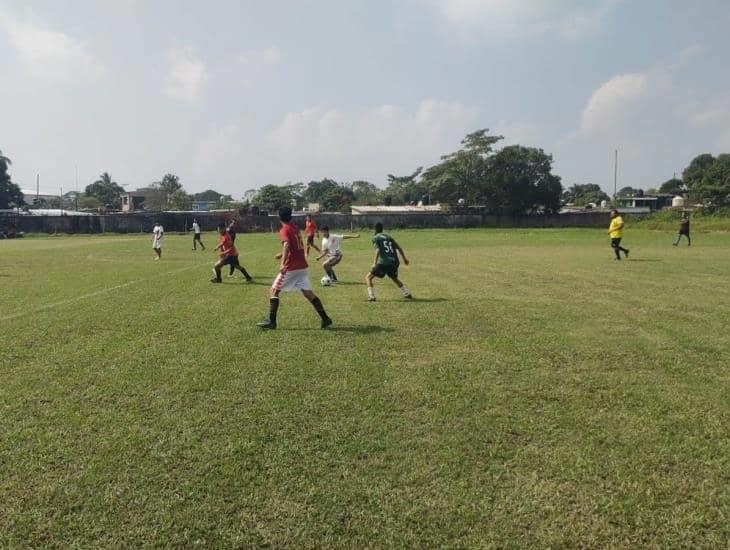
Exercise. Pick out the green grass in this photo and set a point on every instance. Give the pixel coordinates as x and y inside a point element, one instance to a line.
<point>536,393</point>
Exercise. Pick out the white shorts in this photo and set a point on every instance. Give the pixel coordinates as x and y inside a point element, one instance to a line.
<point>157,243</point>
<point>292,280</point>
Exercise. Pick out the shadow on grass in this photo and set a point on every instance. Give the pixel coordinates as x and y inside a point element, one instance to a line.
<point>424,300</point>
<point>353,329</point>
<point>632,260</point>
<point>348,283</point>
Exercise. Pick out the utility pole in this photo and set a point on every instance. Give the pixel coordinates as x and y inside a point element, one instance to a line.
<point>37,187</point>
<point>615,174</point>
<point>77,186</point>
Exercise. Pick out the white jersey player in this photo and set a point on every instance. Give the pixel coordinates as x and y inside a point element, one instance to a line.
<point>332,250</point>
<point>157,234</point>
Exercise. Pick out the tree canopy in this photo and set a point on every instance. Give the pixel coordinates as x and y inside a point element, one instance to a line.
<point>10,194</point>
<point>707,179</point>
<point>674,186</point>
<point>106,191</point>
<point>583,194</point>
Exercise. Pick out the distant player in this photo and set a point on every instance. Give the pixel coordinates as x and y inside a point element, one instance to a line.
<point>331,249</point>
<point>158,233</point>
<point>293,272</point>
<point>310,230</point>
<point>197,234</point>
<point>228,256</point>
<point>386,262</point>
<point>683,230</point>
<point>616,232</point>
<point>231,230</point>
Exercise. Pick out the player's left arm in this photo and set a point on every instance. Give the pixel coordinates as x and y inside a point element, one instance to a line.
<point>283,255</point>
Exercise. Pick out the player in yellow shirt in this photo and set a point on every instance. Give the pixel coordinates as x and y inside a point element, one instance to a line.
<point>616,232</point>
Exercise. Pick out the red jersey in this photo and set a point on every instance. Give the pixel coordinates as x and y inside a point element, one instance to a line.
<point>310,228</point>
<point>289,233</point>
<point>226,246</point>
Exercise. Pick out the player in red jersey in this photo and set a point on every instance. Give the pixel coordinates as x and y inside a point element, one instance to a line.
<point>310,230</point>
<point>293,272</point>
<point>228,256</point>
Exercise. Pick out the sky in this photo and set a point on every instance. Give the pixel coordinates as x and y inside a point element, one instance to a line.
<point>236,94</point>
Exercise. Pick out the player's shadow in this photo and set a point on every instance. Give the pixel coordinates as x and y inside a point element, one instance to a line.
<point>348,283</point>
<point>632,260</point>
<point>425,300</point>
<point>352,329</point>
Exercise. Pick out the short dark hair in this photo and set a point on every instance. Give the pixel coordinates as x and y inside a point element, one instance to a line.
<point>614,211</point>
<point>285,213</point>
<point>378,227</point>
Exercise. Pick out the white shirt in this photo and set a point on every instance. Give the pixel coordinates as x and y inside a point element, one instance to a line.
<point>157,233</point>
<point>196,228</point>
<point>332,244</point>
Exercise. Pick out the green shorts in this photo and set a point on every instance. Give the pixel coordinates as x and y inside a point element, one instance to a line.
<point>380,271</point>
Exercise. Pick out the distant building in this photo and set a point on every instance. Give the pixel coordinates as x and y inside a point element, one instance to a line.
<point>30,196</point>
<point>134,200</point>
<point>644,204</point>
<point>405,209</point>
<point>203,206</point>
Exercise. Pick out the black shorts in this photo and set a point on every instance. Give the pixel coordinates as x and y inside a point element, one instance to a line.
<point>684,232</point>
<point>196,237</point>
<point>230,260</point>
<point>380,271</point>
<point>615,243</point>
<point>310,239</point>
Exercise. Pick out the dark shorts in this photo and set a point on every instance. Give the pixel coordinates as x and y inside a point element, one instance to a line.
<point>380,271</point>
<point>310,239</point>
<point>196,237</point>
<point>333,260</point>
<point>615,243</point>
<point>684,232</point>
<point>230,260</point>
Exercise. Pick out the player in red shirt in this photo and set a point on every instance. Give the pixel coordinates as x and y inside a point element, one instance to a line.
<point>228,256</point>
<point>293,272</point>
<point>310,230</point>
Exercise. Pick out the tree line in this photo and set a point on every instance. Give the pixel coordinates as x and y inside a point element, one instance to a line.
<point>513,180</point>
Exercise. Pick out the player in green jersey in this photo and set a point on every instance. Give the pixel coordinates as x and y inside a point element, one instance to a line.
<point>386,262</point>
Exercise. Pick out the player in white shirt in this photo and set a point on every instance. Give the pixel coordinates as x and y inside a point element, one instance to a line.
<point>197,234</point>
<point>332,250</point>
<point>157,233</point>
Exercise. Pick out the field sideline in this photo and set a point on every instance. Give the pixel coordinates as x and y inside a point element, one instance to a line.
<point>535,393</point>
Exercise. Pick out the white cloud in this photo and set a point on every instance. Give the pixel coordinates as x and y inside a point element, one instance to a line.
<point>251,66</point>
<point>51,54</point>
<point>613,102</point>
<point>517,133</point>
<point>327,142</point>
<point>572,19</point>
<point>187,75</point>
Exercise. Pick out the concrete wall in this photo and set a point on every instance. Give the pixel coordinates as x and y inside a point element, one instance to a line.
<point>142,222</point>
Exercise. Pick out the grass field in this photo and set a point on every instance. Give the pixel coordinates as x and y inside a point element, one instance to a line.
<point>536,393</point>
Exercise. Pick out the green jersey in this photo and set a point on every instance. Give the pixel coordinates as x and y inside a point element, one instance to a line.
<point>387,248</point>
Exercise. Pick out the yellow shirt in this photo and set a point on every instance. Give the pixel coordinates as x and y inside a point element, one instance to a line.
<point>616,230</point>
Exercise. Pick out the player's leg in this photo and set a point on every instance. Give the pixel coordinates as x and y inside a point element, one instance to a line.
<point>369,282</point>
<point>195,239</point>
<point>676,241</point>
<point>689,241</point>
<point>243,270</point>
<point>317,305</point>
<point>403,288</point>
<point>615,246</point>
<point>217,270</point>
<point>158,251</point>
<point>274,291</point>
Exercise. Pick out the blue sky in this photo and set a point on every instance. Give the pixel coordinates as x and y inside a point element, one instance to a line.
<point>236,94</point>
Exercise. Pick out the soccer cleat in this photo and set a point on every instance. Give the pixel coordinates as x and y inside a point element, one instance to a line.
<point>371,298</point>
<point>266,325</point>
<point>626,254</point>
<point>408,296</point>
<point>326,322</point>
<point>214,280</point>
<point>249,279</point>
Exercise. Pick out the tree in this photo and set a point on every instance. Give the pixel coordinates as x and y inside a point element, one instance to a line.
<point>583,194</point>
<point>168,195</point>
<point>406,189</point>
<point>697,170</point>
<point>714,186</point>
<point>674,186</point>
<point>90,203</point>
<point>273,197</point>
<point>10,194</point>
<point>106,190</point>
<point>365,193</point>
<point>630,192</point>
<point>338,199</point>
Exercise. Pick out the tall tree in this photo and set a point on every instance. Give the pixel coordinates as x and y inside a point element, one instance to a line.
<point>406,189</point>
<point>630,192</point>
<point>583,194</point>
<point>366,193</point>
<point>714,186</point>
<point>106,190</point>
<point>169,195</point>
<point>674,186</point>
<point>10,194</point>
<point>697,170</point>
<point>273,197</point>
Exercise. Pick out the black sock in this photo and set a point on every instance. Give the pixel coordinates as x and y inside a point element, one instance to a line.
<point>332,275</point>
<point>618,254</point>
<point>273,309</point>
<point>245,273</point>
<point>317,304</point>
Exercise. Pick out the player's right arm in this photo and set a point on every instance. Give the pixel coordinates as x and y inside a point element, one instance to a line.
<point>284,256</point>
<point>402,254</point>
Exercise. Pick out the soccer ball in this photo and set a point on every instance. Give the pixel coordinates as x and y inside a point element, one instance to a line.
<point>326,281</point>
